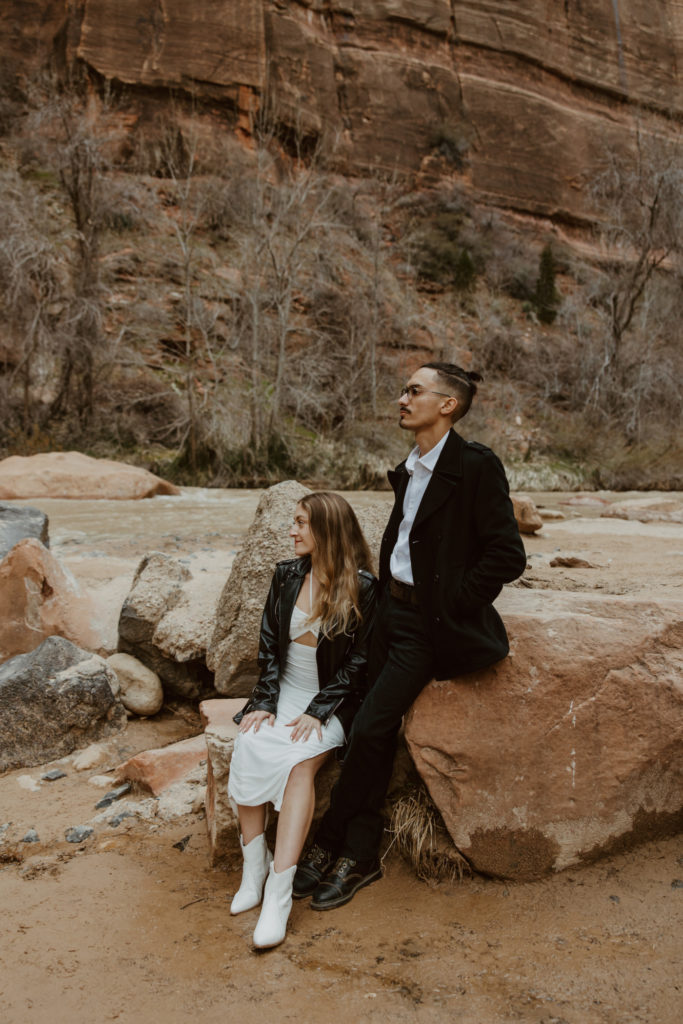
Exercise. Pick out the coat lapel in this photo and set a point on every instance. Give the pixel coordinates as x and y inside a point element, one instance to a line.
<point>446,476</point>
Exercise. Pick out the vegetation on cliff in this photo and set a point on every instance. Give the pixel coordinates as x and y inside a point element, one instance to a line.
<point>231,315</point>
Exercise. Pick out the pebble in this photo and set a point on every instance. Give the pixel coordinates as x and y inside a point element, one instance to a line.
<point>28,782</point>
<point>31,836</point>
<point>51,776</point>
<point>112,795</point>
<point>100,780</point>
<point>677,883</point>
<point>78,833</point>
<point>182,843</point>
<point>117,819</point>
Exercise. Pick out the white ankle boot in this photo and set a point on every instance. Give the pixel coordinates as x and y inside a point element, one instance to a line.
<point>277,903</point>
<point>257,860</point>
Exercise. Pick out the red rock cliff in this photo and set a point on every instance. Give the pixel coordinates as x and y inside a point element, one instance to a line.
<point>533,92</point>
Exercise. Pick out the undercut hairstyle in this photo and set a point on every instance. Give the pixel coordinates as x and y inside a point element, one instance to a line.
<point>462,384</point>
<point>341,550</point>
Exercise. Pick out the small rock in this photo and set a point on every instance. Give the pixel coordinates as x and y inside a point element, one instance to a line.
<point>141,689</point>
<point>677,883</point>
<point>526,513</point>
<point>89,758</point>
<point>3,828</point>
<point>78,833</point>
<point>572,562</point>
<point>615,899</point>
<point>112,795</point>
<point>118,818</point>
<point>100,780</point>
<point>53,775</point>
<point>550,514</point>
<point>28,782</point>
<point>31,836</point>
<point>182,843</point>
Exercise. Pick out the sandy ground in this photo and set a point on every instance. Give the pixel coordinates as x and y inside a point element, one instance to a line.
<point>132,925</point>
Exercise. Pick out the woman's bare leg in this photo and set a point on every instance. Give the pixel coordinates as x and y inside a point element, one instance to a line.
<point>252,821</point>
<point>296,812</point>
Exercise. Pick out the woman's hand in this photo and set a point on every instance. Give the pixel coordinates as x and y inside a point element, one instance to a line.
<point>256,718</point>
<point>303,726</point>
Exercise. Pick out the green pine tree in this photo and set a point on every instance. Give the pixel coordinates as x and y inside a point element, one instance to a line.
<point>546,298</point>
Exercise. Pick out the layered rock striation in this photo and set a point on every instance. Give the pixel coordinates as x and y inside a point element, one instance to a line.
<point>520,101</point>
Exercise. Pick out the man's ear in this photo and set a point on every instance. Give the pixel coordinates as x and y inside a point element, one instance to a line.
<point>449,406</point>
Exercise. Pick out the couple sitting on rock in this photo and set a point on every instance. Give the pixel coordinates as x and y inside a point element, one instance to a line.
<point>343,656</point>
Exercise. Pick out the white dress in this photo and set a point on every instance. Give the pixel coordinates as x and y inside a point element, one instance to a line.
<point>261,762</point>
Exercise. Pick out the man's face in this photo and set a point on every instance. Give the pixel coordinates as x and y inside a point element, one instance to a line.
<point>425,409</point>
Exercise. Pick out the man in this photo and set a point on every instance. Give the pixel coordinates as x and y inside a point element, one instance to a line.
<point>451,543</point>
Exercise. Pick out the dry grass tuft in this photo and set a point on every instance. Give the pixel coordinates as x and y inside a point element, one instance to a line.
<point>421,837</point>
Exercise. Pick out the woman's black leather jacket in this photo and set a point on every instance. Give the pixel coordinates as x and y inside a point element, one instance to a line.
<point>341,660</point>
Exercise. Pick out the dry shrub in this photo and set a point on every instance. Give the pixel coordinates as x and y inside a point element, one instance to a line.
<point>421,837</point>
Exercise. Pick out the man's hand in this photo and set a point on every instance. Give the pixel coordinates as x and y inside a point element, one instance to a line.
<point>303,726</point>
<point>256,718</point>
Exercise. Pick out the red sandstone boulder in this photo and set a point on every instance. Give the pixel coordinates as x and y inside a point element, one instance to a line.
<point>159,769</point>
<point>74,475</point>
<point>38,599</point>
<point>527,515</point>
<point>568,749</point>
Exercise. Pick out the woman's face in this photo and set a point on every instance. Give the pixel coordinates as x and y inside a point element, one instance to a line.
<point>301,532</point>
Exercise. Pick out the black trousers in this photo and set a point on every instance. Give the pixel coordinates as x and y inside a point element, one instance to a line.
<point>400,664</point>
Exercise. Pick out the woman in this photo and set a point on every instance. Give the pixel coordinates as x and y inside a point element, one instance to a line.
<point>312,656</point>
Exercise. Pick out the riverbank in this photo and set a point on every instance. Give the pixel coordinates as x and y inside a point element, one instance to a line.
<point>132,925</point>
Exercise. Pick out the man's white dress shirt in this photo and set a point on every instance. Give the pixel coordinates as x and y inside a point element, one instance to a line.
<point>420,469</point>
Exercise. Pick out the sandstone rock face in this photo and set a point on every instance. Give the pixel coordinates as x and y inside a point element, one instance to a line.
<point>527,515</point>
<point>39,598</point>
<point>16,523</point>
<point>73,475</point>
<point>141,690</point>
<point>568,749</point>
<point>54,700</point>
<point>532,93</point>
<point>234,645</point>
<point>167,619</point>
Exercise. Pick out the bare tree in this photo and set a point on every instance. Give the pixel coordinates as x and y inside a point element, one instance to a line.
<point>641,204</point>
<point>32,283</point>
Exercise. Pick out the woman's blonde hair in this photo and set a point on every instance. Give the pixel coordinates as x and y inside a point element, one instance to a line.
<point>340,551</point>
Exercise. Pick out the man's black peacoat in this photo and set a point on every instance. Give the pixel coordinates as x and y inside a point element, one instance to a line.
<point>464,545</point>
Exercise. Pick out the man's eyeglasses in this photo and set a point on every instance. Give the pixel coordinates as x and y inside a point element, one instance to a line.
<point>416,389</point>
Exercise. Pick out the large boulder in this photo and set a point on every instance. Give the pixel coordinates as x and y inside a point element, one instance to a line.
<point>74,475</point>
<point>167,619</point>
<point>568,749</point>
<point>17,523</point>
<point>40,598</point>
<point>54,700</point>
<point>232,651</point>
<point>233,648</point>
